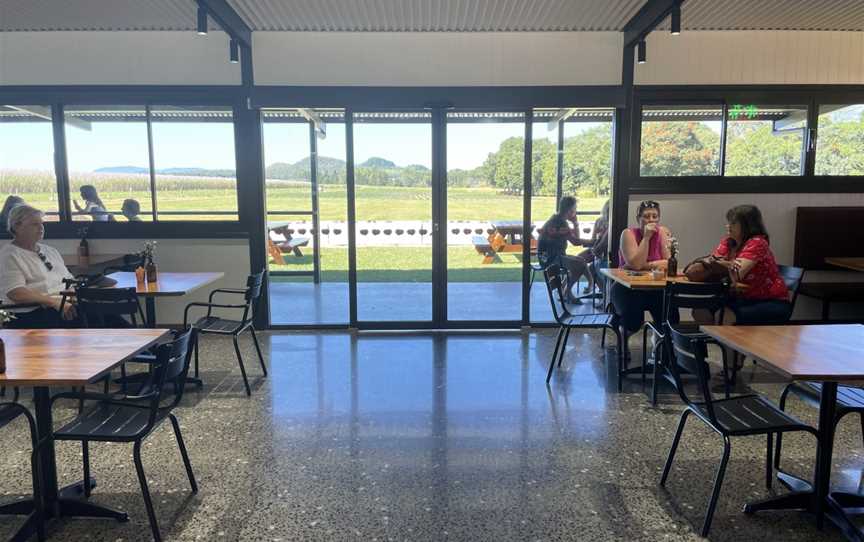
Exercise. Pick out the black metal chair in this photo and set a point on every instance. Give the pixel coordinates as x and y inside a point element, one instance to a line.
<point>108,307</point>
<point>850,400</point>
<point>131,418</point>
<point>745,415</point>
<point>9,411</point>
<point>684,295</point>
<point>555,284</point>
<point>210,324</point>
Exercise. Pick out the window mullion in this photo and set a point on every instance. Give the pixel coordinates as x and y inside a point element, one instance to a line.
<point>151,161</point>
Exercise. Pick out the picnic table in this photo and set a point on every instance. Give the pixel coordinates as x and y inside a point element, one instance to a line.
<point>506,236</point>
<point>291,244</point>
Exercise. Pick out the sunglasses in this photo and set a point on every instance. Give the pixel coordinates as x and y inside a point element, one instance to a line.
<point>44,259</point>
<point>649,204</point>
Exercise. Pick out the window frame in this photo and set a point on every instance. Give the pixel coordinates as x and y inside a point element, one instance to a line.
<point>57,98</point>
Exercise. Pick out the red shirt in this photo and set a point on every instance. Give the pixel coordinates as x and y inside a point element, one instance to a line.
<point>764,280</point>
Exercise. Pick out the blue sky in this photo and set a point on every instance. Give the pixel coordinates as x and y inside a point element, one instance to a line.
<point>211,145</point>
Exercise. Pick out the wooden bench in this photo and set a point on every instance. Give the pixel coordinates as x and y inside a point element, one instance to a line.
<point>484,247</point>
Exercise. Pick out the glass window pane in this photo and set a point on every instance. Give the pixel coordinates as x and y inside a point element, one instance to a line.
<point>680,141</point>
<point>297,294</point>
<point>764,140</point>
<point>27,156</point>
<point>193,153</point>
<point>840,145</point>
<point>106,149</point>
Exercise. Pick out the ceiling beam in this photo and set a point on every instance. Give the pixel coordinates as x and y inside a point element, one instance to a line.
<point>230,21</point>
<point>312,116</point>
<point>43,112</point>
<point>647,19</point>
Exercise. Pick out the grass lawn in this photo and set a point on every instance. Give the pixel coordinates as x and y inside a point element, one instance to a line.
<point>373,203</point>
<point>403,264</point>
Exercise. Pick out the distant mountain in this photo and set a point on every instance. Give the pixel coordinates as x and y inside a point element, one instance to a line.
<point>178,171</point>
<point>378,163</point>
<point>122,169</point>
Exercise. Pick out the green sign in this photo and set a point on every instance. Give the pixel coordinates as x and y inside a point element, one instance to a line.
<point>739,111</point>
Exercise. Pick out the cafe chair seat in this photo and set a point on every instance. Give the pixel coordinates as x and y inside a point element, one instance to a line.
<point>749,415</point>
<point>214,324</point>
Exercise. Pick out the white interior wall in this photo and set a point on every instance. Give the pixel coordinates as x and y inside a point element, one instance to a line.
<point>116,58</point>
<point>437,58</point>
<point>230,256</point>
<point>752,58</point>
<point>699,222</point>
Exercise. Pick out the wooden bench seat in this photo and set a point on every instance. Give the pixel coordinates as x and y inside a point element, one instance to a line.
<point>277,251</point>
<point>484,247</point>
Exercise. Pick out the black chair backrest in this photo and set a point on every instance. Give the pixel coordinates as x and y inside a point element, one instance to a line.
<point>253,286</point>
<point>687,354</point>
<point>695,295</point>
<point>792,276</point>
<point>555,278</point>
<point>95,305</point>
<point>170,366</point>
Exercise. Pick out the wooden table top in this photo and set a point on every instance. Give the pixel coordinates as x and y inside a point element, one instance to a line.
<point>69,357</point>
<point>855,264</point>
<point>169,284</point>
<point>640,282</point>
<point>830,352</point>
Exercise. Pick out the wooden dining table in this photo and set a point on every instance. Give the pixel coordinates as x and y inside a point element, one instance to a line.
<point>63,357</point>
<point>639,280</point>
<point>829,354</point>
<point>169,284</point>
<point>855,264</point>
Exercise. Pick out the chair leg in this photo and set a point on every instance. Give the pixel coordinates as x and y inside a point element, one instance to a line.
<point>195,347</point>
<point>718,483</point>
<point>258,349</point>
<point>563,346</point>
<point>145,491</point>
<point>622,361</point>
<point>38,507</point>
<point>183,453</point>
<point>669,458</point>
<point>655,383</point>
<point>555,353</point>
<point>85,455</point>
<point>782,405</point>
<point>242,368</point>
<point>862,425</point>
<point>644,351</point>
<point>727,384</point>
<point>603,338</point>
<point>769,472</point>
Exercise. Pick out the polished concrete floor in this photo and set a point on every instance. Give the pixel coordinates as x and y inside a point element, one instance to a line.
<point>327,303</point>
<point>429,437</point>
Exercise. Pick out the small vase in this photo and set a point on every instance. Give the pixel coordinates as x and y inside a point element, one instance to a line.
<point>2,357</point>
<point>152,273</point>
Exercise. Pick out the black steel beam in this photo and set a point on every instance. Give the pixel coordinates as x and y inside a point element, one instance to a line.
<point>230,21</point>
<point>647,19</point>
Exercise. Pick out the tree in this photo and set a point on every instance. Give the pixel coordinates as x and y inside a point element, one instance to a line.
<point>754,149</point>
<point>679,149</point>
<point>840,147</point>
<point>588,161</point>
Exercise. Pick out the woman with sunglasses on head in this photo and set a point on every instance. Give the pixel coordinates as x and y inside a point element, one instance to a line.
<point>643,247</point>
<point>746,253</point>
<point>32,274</point>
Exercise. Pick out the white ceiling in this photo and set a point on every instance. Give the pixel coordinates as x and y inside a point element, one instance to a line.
<point>429,15</point>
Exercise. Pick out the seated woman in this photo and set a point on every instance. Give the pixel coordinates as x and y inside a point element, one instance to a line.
<point>746,252</point>
<point>643,247</point>
<point>33,273</point>
<point>597,247</point>
<point>552,246</point>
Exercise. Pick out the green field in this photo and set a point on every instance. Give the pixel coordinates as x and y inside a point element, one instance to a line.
<point>214,194</point>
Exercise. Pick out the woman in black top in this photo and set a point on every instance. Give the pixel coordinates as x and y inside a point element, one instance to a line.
<point>552,247</point>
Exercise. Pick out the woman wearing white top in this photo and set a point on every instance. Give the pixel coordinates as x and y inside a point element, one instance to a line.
<point>33,273</point>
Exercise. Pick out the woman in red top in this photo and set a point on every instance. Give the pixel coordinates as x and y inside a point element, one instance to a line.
<point>746,253</point>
